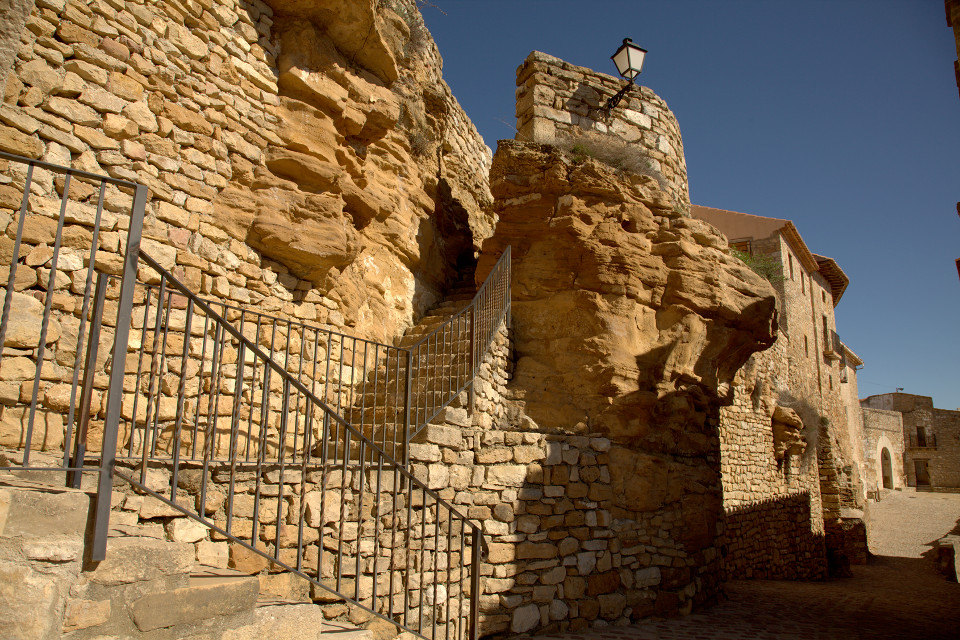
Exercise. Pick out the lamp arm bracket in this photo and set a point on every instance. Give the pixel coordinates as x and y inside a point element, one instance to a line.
<point>616,98</point>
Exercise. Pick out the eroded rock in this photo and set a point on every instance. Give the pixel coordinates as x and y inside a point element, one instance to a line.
<point>629,318</point>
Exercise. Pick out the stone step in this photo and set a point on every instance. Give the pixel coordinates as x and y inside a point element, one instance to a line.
<point>34,509</point>
<point>207,595</point>
<point>303,621</point>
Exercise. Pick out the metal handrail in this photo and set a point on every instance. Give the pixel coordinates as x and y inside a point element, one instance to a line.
<point>192,438</point>
<point>335,431</point>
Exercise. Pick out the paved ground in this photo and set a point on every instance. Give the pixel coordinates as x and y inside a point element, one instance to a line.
<point>897,596</point>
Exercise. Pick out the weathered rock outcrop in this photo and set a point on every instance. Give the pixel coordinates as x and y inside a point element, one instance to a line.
<point>630,319</point>
<point>373,187</point>
<point>303,157</point>
<point>787,433</point>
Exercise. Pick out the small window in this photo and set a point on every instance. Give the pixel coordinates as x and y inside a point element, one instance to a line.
<point>831,381</point>
<point>806,347</point>
<point>823,296</point>
<point>744,246</point>
<point>791,265</point>
<point>803,283</point>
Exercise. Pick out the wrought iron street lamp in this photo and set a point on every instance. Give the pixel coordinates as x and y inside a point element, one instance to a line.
<point>629,60</point>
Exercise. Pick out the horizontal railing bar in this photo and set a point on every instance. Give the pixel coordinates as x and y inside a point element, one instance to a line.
<point>97,468</point>
<point>61,169</point>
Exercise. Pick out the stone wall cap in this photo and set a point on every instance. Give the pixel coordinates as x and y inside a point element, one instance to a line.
<point>546,58</point>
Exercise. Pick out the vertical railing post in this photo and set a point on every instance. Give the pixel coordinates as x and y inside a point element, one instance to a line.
<point>111,423</point>
<point>408,400</point>
<point>89,373</point>
<point>473,355</point>
<point>475,584</point>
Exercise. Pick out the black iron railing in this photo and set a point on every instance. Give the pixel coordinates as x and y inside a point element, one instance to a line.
<point>58,234</point>
<point>283,438</point>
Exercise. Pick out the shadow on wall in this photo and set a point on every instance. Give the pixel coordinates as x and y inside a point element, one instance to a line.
<point>774,539</point>
<point>945,556</point>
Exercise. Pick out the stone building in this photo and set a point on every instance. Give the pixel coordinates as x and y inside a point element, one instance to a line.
<point>883,450</point>
<point>930,439</point>
<point>810,372</point>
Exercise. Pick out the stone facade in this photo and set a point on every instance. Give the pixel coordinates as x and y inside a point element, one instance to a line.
<point>814,376</point>
<point>931,439</point>
<point>774,518</point>
<point>883,450</point>
<point>562,104</point>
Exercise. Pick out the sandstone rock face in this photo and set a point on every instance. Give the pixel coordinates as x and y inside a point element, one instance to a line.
<point>302,157</point>
<point>373,187</point>
<point>629,318</point>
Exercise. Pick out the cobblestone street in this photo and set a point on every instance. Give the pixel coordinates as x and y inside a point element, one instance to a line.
<point>898,595</point>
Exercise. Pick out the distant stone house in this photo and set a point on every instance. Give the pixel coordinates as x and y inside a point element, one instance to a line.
<point>883,450</point>
<point>931,439</point>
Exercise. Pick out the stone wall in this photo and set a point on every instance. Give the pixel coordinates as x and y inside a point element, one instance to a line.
<point>561,104</point>
<point>808,380</point>
<point>284,171</point>
<point>771,490</point>
<point>883,430</point>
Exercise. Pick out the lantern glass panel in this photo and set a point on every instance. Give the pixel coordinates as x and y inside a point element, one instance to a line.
<point>622,59</point>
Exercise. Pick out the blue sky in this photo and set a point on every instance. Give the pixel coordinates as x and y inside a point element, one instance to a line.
<point>841,115</point>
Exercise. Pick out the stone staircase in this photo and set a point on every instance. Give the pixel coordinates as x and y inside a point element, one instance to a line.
<point>147,587</point>
<point>150,586</point>
<point>375,409</point>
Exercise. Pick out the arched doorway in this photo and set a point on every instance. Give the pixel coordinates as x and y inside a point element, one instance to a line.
<point>886,469</point>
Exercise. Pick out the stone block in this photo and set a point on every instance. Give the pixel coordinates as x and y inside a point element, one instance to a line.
<point>30,602</point>
<point>441,435</point>
<point>213,554</point>
<point>525,618</point>
<point>424,452</point>
<point>14,141</point>
<point>185,530</point>
<point>245,560</point>
<point>647,577</point>
<point>203,598</point>
<point>499,553</point>
<point>538,550</point>
<point>612,605</point>
<point>494,455</point>
<point>455,416</point>
<point>82,614</point>
<point>131,560</point>
<point>154,508</point>
<point>54,550</point>
<point>285,586</point>
<point>526,453</point>
<point>24,512</point>
<point>511,475</point>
